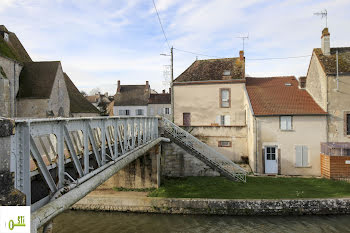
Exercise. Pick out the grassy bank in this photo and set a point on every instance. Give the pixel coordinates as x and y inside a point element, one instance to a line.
<point>255,188</point>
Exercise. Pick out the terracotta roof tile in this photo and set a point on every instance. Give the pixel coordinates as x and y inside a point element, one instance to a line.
<point>274,96</point>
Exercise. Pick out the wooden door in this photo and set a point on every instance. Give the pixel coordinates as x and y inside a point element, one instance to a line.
<point>186,119</point>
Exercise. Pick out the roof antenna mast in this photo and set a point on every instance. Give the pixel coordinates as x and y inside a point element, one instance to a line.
<point>323,14</point>
<point>243,39</point>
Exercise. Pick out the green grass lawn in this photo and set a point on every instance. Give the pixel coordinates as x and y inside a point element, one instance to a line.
<point>255,188</point>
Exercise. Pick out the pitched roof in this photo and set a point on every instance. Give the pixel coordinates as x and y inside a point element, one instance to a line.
<point>328,63</point>
<point>13,48</point>
<point>213,69</point>
<point>274,96</point>
<point>132,95</point>
<point>37,78</point>
<point>163,98</point>
<point>78,103</point>
<point>92,98</point>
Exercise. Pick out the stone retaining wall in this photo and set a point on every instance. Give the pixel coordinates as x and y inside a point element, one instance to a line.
<point>215,206</point>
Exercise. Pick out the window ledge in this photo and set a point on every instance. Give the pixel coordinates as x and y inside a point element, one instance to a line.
<point>309,166</point>
<point>287,130</point>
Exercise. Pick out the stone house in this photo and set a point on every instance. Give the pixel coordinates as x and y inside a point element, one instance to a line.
<point>131,100</point>
<point>209,100</point>
<point>33,89</point>
<point>100,101</point>
<point>328,82</point>
<point>285,127</point>
<point>160,105</point>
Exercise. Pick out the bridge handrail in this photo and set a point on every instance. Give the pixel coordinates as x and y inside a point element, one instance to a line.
<point>204,148</point>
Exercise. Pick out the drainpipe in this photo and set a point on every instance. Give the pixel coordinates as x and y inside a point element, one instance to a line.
<point>14,90</point>
<point>337,71</point>
<point>256,145</point>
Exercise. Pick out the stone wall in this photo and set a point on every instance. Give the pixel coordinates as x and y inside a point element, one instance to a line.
<point>141,173</point>
<point>176,162</point>
<point>214,206</point>
<point>8,194</point>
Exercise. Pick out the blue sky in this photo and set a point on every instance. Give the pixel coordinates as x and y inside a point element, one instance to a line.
<point>100,42</point>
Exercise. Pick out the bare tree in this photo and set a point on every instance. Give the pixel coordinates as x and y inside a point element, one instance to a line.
<point>95,91</point>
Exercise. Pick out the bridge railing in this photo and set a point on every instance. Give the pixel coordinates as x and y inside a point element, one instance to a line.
<point>63,150</point>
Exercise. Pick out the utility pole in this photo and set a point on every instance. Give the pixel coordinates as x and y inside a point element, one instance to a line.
<point>172,85</point>
<point>172,81</point>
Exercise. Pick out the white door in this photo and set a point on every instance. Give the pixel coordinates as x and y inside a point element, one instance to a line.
<point>271,166</point>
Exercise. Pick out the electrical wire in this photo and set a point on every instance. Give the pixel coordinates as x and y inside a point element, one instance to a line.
<point>199,54</point>
<point>161,25</point>
<point>276,58</point>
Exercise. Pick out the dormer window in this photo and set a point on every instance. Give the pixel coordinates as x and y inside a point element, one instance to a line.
<point>6,37</point>
<point>227,72</point>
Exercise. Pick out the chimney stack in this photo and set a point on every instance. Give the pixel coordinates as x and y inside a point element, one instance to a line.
<point>118,88</point>
<point>147,88</point>
<point>325,42</point>
<point>163,91</point>
<point>242,59</point>
<point>169,90</point>
<point>241,55</point>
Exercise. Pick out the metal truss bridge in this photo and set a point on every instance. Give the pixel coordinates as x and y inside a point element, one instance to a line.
<point>58,161</point>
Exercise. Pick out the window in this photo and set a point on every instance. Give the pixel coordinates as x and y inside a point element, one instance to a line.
<point>270,153</point>
<point>124,112</point>
<point>225,98</point>
<point>167,111</point>
<point>139,112</point>
<point>227,72</point>
<point>224,144</point>
<point>223,120</point>
<point>286,123</point>
<point>301,156</point>
<point>347,123</point>
<point>6,37</point>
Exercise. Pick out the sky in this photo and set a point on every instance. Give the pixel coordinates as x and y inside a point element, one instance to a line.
<point>101,42</point>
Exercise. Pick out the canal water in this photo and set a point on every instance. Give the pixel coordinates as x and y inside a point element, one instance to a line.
<point>113,222</point>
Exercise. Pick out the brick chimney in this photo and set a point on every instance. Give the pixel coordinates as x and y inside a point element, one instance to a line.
<point>163,91</point>
<point>325,42</point>
<point>302,82</point>
<point>242,59</point>
<point>118,88</point>
<point>147,88</point>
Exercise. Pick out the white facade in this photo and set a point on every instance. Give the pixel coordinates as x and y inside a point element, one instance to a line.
<point>163,110</point>
<point>133,110</point>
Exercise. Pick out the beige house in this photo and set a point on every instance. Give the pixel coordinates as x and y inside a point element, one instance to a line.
<point>328,82</point>
<point>209,101</point>
<point>160,105</point>
<point>285,127</point>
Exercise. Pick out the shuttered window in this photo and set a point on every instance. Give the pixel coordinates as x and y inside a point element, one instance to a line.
<point>224,120</point>
<point>139,112</point>
<point>286,123</point>
<point>124,112</point>
<point>301,156</point>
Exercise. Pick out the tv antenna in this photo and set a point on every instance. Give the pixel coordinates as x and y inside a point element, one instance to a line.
<point>323,14</point>
<point>243,39</point>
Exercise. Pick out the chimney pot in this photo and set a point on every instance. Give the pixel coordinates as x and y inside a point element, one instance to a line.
<point>241,55</point>
<point>118,88</point>
<point>325,42</point>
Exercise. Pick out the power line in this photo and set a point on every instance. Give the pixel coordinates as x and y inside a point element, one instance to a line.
<point>199,54</point>
<point>276,58</point>
<point>161,25</point>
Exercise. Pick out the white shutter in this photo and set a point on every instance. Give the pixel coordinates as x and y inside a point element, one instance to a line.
<point>305,160</point>
<point>218,119</point>
<point>163,111</point>
<point>283,123</point>
<point>227,120</point>
<point>289,122</point>
<point>169,110</point>
<point>298,156</point>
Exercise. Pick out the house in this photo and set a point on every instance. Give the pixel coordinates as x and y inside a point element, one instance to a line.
<point>160,105</point>
<point>209,100</point>
<point>79,105</point>
<point>100,101</point>
<point>131,100</point>
<point>34,89</point>
<point>328,82</point>
<point>285,127</point>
